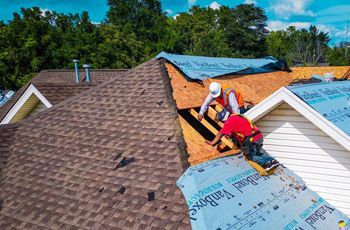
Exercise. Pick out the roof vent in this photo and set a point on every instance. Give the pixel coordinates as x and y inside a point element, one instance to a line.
<point>327,77</point>
<point>87,72</point>
<point>76,67</point>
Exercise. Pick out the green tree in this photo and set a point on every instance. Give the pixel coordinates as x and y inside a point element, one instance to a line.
<point>230,32</point>
<point>144,18</point>
<point>339,55</point>
<point>279,46</point>
<point>302,47</point>
<point>118,50</point>
<point>245,30</point>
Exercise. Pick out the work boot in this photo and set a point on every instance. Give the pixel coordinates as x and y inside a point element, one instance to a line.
<point>271,165</point>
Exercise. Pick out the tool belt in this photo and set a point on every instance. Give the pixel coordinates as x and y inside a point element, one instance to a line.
<point>247,140</point>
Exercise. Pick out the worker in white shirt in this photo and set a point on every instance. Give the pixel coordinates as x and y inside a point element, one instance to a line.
<point>230,99</point>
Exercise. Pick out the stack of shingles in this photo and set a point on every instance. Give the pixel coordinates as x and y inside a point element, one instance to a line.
<point>62,166</point>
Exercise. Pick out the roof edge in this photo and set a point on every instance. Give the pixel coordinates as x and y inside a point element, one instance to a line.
<point>64,102</point>
<point>178,129</point>
<point>91,70</point>
<point>30,90</point>
<point>283,95</point>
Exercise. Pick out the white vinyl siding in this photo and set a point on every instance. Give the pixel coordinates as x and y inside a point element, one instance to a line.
<point>302,147</point>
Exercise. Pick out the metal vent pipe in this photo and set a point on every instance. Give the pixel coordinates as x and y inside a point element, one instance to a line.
<point>76,67</point>
<point>87,72</point>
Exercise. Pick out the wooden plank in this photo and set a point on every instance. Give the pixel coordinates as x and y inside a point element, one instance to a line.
<point>218,108</point>
<point>213,114</point>
<point>198,150</point>
<point>196,147</point>
<point>212,129</point>
<point>259,168</point>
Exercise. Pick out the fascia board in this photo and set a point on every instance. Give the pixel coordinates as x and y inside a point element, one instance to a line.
<point>20,102</point>
<point>283,95</point>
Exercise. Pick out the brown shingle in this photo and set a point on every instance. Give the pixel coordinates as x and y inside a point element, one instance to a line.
<point>60,162</point>
<point>59,85</point>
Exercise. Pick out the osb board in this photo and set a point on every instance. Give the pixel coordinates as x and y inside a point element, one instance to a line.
<point>307,72</point>
<point>197,149</point>
<point>255,87</point>
<point>186,94</point>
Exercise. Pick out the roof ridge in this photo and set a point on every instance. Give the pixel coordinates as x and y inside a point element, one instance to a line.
<point>91,70</point>
<point>75,97</point>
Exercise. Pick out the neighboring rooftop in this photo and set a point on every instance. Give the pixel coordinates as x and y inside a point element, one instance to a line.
<point>5,96</point>
<point>59,85</point>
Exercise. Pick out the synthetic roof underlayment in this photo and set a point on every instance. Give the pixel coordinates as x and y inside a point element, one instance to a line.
<point>332,100</point>
<point>200,67</point>
<point>227,193</point>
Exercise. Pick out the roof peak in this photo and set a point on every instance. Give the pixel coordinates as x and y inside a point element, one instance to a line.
<point>92,70</point>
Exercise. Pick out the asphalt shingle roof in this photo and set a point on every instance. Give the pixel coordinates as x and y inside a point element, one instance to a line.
<point>59,85</point>
<point>61,168</point>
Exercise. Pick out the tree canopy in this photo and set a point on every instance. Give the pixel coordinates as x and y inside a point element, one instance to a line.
<point>302,47</point>
<point>136,30</point>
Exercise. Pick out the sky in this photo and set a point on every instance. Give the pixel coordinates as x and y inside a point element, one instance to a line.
<point>329,16</point>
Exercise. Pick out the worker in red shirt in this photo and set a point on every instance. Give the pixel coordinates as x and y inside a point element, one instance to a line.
<point>248,138</point>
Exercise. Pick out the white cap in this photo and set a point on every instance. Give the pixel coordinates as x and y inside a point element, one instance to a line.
<point>215,89</point>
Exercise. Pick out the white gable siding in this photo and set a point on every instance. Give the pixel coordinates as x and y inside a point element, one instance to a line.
<point>309,152</point>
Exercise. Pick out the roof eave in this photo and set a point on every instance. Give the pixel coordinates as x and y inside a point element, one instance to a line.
<point>20,102</point>
<point>283,95</point>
